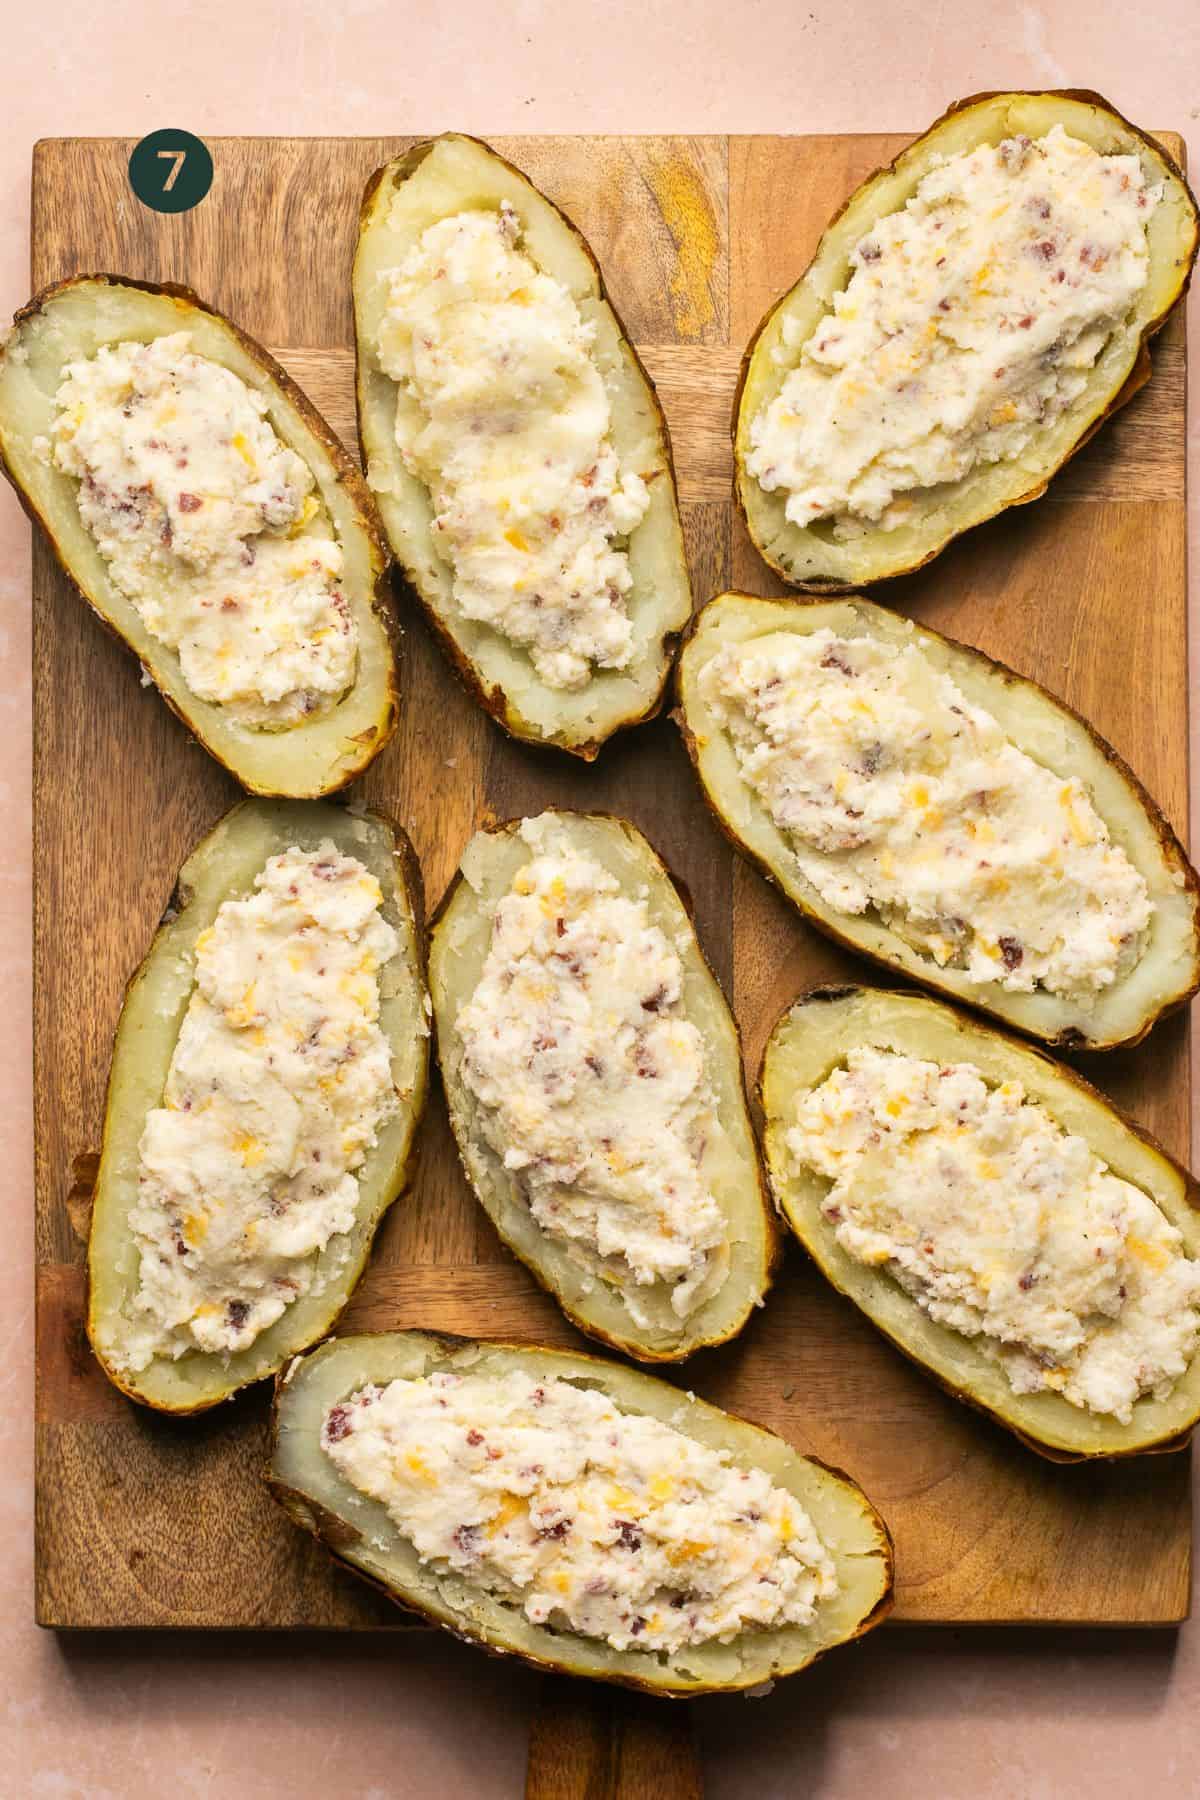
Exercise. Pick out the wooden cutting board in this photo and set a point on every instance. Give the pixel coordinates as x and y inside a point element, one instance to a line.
<point>143,1521</point>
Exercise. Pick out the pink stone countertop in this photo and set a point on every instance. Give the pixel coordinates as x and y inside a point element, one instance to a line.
<point>947,1715</point>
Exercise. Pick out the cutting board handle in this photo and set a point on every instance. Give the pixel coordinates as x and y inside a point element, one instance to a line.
<point>598,1743</point>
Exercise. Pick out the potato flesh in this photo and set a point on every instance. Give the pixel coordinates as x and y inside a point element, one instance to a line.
<point>458,172</point>
<point>1167,971</point>
<point>224,866</point>
<point>360,1531</point>
<point>460,945</point>
<point>813,555</point>
<point>72,324</point>
<point>809,1041</point>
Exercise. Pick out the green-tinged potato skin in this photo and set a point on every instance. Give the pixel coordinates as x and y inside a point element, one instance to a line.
<point>799,556</point>
<point>496,697</point>
<point>1153,846</point>
<point>819,1027</point>
<point>159,991</point>
<point>362,1545</point>
<point>251,756</point>
<point>546,1261</point>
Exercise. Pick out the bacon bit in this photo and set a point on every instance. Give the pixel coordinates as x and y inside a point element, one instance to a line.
<point>545,1040</point>
<point>337,1425</point>
<point>1047,249</point>
<point>629,1538</point>
<point>237,1312</point>
<point>1026,322</point>
<point>594,1064</point>
<point>190,503</point>
<point>654,1001</point>
<point>555,1532</point>
<point>637,1626</point>
<point>466,1539</point>
<point>228,605</point>
<point>943,306</point>
<point>831,660</point>
<point>1027,1281</point>
<point>494,1455</point>
<point>560,927</point>
<point>474,1438</point>
<point>538,1397</point>
<point>1012,951</point>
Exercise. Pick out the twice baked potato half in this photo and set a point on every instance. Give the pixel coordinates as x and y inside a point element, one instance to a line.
<point>940,814</point>
<point>268,1075</point>
<point>593,1076</point>
<point>535,1562</point>
<point>211,519</point>
<point>993,1215</point>
<point>516,447</point>
<point>971,316</point>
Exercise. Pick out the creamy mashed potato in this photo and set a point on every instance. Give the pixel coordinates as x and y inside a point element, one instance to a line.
<point>503,415</point>
<point>1002,1226</point>
<point>278,1085</point>
<point>209,526</point>
<point>970,321</point>
<point>591,1082</point>
<point>592,1520</point>
<point>897,794</point>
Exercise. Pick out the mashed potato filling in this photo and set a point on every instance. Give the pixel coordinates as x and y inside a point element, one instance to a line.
<point>969,323</point>
<point>209,526</point>
<point>592,1520</point>
<point>503,415</point>
<point>590,1080</point>
<point>897,794</point>
<point>279,1082</point>
<point>1003,1227</point>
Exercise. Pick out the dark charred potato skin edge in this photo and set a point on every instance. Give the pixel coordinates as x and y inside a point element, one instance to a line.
<point>1173,851</point>
<point>335,1534</point>
<point>774,1245</point>
<point>1139,374</point>
<point>412,887</point>
<point>493,700</point>
<point>816,996</point>
<point>349,477</point>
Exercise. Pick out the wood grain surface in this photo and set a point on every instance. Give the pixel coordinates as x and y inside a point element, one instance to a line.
<point>142,1521</point>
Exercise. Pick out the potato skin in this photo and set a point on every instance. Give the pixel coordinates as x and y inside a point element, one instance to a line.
<point>629,1343</point>
<point>337,1538</point>
<point>349,476</point>
<point>1139,374</point>
<point>411,891</point>
<point>492,699</point>
<point>1176,858</point>
<point>832,995</point>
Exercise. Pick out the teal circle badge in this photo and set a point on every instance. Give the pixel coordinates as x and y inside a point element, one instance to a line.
<point>171,171</point>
